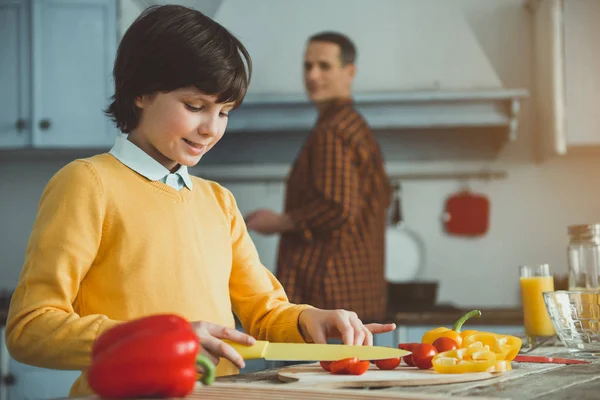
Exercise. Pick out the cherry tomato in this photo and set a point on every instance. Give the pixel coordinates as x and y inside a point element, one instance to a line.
<point>326,365</point>
<point>408,347</point>
<point>389,363</point>
<point>442,344</point>
<point>358,368</point>
<point>341,366</point>
<point>422,355</point>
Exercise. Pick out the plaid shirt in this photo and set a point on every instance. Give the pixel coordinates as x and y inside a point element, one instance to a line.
<point>337,194</point>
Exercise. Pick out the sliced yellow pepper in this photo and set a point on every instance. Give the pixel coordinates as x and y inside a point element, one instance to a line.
<point>505,347</point>
<point>454,333</point>
<point>500,366</point>
<point>464,360</point>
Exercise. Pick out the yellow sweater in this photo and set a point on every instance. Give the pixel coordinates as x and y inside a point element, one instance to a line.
<point>108,245</point>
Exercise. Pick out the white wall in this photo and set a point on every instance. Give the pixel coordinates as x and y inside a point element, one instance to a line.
<point>530,210</point>
<point>529,214</point>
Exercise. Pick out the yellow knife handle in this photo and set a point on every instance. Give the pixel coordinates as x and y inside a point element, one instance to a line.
<point>257,350</point>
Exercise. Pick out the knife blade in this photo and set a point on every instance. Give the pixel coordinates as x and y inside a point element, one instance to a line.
<point>313,352</point>
<point>550,360</point>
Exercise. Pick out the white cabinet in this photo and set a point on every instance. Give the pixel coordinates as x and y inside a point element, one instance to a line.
<point>567,73</point>
<point>582,71</point>
<point>56,73</point>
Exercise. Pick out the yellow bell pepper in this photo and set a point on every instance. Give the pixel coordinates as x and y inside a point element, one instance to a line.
<point>506,347</point>
<point>454,333</point>
<point>466,333</point>
<point>464,360</point>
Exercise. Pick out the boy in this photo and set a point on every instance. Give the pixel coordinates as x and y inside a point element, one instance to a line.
<point>129,233</point>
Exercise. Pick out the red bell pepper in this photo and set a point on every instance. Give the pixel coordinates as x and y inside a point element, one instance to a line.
<point>152,356</point>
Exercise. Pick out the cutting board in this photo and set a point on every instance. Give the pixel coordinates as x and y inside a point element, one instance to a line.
<point>254,391</point>
<point>314,375</point>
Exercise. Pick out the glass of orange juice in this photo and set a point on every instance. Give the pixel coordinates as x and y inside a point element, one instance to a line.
<point>534,281</point>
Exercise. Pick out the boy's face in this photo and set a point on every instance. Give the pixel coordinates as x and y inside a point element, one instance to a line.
<point>325,77</point>
<point>179,127</point>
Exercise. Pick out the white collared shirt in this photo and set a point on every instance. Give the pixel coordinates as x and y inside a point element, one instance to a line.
<point>142,163</point>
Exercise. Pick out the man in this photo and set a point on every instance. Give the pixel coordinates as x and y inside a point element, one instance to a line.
<point>331,252</point>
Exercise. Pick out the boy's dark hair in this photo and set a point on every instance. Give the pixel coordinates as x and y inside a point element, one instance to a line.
<point>347,48</point>
<point>170,47</point>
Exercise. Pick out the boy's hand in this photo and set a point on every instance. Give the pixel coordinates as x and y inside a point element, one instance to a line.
<point>317,326</point>
<point>214,347</point>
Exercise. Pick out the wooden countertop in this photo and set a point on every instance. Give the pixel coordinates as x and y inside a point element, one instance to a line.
<point>443,317</point>
<point>525,381</point>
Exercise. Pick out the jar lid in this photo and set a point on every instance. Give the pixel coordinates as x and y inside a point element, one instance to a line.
<point>585,232</point>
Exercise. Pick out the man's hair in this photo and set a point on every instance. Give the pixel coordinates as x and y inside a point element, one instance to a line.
<point>347,48</point>
<point>170,47</point>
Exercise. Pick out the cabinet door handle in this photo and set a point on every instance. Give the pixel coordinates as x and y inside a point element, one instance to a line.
<point>21,125</point>
<point>8,380</point>
<point>44,124</point>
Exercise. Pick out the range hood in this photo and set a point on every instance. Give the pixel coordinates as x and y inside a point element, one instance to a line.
<point>424,81</point>
<point>410,126</point>
<point>389,111</point>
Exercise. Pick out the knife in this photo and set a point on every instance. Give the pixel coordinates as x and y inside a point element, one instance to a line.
<point>551,360</point>
<point>313,352</point>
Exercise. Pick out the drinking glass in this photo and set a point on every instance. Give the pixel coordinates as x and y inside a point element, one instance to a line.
<point>534,281</point>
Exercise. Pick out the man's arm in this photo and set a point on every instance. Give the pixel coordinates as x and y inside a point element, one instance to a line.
<point>335,181</point>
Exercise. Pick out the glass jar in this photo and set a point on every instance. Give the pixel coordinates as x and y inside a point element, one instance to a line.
<point>584,256</point>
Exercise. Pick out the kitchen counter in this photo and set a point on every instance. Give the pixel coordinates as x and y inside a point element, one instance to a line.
<point>525,381</point>
<point>444,316</point>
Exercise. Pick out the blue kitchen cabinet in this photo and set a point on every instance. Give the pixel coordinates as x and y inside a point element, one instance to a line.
<point>15,103</point>
<point>39,383</point>
<point>32,382</point>
<point>72,45</point>
<point>387,339</point>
